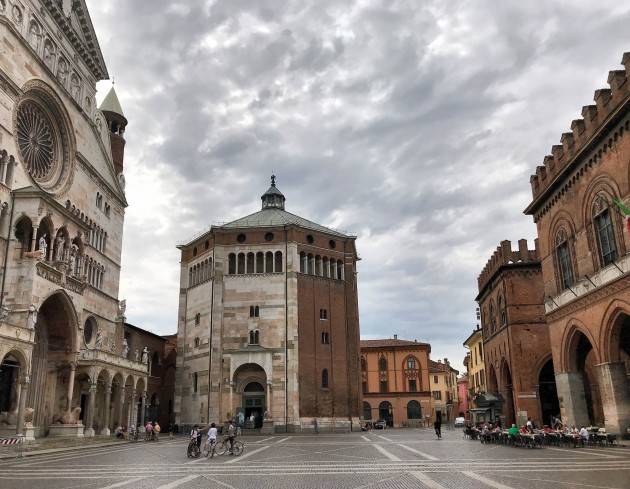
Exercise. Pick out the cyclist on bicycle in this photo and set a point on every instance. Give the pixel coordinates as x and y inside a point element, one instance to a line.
<point>231,433</point>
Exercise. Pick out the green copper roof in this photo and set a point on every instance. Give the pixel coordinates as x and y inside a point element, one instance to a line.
<point>111,103</point>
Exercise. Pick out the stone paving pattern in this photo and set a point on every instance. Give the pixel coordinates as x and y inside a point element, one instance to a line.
<point>396,459</point>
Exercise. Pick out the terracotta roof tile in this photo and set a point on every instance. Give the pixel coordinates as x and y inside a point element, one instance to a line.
<point>388,342</point>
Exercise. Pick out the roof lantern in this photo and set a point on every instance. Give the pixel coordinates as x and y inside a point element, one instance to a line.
<point>273,198</point>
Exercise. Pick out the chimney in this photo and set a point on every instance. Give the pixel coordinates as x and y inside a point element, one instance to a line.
<point>395,336</point>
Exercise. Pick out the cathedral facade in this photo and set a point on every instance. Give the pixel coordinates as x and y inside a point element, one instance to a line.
<point>268,325</point>
<point>65,366</point>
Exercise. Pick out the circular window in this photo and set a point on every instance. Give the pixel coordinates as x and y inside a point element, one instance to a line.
<point>332,244</point>
<point>88,331</point>
<point>269,237</point>
<point>241,238</point>
<point>310,239</point>
<point>44,138</point>
<point>37,141</point>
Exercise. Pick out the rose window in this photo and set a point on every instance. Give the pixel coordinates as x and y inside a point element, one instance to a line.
<point>36,140</point>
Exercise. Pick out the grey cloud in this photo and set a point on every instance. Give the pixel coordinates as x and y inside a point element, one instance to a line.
<point>414,124</point>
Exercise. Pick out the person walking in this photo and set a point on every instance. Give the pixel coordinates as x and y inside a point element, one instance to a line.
<point>438,428</point>
<point>156,431</point>
<point>231,433</point>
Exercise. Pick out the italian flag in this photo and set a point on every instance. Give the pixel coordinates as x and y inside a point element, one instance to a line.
<point>625,211</point>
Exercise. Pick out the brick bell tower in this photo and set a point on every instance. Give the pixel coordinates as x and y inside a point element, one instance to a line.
<point>117,122</point>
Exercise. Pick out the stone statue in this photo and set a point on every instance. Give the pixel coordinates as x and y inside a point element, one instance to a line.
<point>70,417</point>
<point>4,312</point>
<point>266,416</point>
<point>122,181</point>
<point>72,259</point>
<point>43,245</point>
<point>29,413</point>
<point>98,343</point>
<point>31,319</point>
<point>59,248</point>
<point>137,355</point>
<point>125,348</point>
<point>145,355</point>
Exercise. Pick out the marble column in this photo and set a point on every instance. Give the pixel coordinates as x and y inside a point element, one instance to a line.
<point>615,395</point>
<point>131,419</point>
<point>572,399</point>
<point>108,399</point>
<point>89,421</point>
<point>22,405</point>
<point>34,239</point>
<point>268,400</point>
<point>143,408</point>
<point>121,408</point>
<point>73,368</point>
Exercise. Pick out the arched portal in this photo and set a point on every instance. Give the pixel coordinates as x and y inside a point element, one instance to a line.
<point>507,393</point>
<point>493,385</point>
<point>10,367</point>
<point>582,360</point>
<point>615,374</point>
<point>549,404</point>
<point>249,409</point>
<point>53,353</point>
<point>367,411</point>
<point>386,412</point>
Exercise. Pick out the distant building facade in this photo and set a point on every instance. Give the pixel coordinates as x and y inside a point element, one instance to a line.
<point>444,390</point>
<point>518,362</point>
<point>476,373</point>
<point>395,381</point>
<point>584,258</point>
<point>463,396</point>
<point>268,324</point>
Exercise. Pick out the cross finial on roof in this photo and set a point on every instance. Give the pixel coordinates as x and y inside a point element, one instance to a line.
<point>273,180</point>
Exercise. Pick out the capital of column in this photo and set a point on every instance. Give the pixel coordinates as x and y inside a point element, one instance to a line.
<point>93,388</point>
<point>25,380</point>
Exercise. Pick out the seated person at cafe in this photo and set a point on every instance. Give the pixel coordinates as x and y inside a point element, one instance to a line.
<point>584,434</point>
<point>513,431</point>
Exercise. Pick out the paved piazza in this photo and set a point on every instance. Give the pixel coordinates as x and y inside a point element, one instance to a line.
<point>391,459</point>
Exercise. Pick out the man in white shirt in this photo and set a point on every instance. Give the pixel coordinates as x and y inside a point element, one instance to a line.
<point>584,434</point>
<point>212,434</point>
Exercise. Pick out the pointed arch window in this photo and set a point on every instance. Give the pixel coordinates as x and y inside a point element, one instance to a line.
<point>502,311</point>
<point>325,378</point>
<point>492,318</point>
<point>604,232</point>
<point>563,260</point>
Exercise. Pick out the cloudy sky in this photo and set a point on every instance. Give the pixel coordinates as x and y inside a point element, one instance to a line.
<point>413,124</point>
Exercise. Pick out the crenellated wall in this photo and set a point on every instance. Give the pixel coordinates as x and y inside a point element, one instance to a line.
<point>504,255</point>
<point>584,132</point>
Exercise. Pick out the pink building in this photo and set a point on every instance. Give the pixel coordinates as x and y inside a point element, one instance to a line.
<point>462,392</point>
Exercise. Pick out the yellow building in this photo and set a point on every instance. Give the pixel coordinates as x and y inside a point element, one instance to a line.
<point>476,368</point>
<point>444,396</point>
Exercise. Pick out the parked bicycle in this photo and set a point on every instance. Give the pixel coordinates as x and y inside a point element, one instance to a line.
<point>222,447</point>
<point>193,449</point>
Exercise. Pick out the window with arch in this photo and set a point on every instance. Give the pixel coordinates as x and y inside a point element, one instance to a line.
<point>254,337</point>
<point>502,311</point>
<point>197,319</point>
<point>604,232</point>
<point>325,378</point>
<point>241,264</point>
<point>250,262</point>
<point>382,364</point>
<point>323,314</point>
<point>325,338</point>
<point>493,324</point>
<point>231,264</point>
<point>367,410</point>
<point>414,410</point>
<point>195,380</point>
<point>254,311</point>
<point>197,342</point>
<point>278,267</point>
<point>269,262</point>
<point>411,363</point>
<point>260,262</point>
<point>563,260</point>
